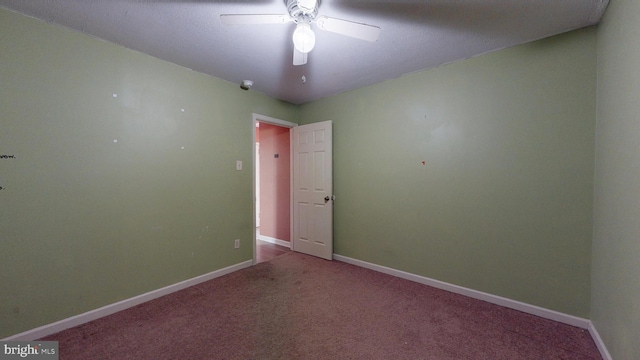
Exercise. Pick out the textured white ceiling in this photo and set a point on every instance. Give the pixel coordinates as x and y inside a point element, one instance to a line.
<point>415,35</point>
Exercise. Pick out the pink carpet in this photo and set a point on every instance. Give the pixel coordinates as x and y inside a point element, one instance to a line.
<point>300,307</point>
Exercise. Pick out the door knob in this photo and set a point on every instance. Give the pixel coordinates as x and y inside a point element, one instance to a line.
<point>327,198</point>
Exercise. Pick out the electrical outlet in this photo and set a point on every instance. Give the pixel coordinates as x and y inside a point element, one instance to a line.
<point>236,243</point>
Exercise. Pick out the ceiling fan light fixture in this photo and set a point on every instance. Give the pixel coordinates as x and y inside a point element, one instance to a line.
<point>303,38</point>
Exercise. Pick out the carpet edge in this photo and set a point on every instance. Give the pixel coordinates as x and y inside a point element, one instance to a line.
<point>106,310</point>
<point>475,294</point>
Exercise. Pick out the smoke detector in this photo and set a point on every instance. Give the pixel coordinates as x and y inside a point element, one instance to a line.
<point>246,84</point>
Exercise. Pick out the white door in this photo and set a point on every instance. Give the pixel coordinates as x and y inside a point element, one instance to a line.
<point>313,190</point>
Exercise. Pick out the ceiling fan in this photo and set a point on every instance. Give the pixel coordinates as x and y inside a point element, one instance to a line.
<point>304,13</point>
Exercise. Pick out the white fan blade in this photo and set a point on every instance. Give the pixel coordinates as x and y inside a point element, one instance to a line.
<point>299,58</point>
<point>349,28</point>
<point>245,19</point>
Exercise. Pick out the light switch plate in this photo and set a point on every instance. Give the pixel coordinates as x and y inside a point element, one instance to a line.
<point>239,165</point>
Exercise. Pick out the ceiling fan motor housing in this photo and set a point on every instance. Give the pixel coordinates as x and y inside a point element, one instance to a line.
<point>301,14</point>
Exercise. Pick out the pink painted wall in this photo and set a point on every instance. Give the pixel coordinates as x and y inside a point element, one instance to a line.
<point>274,181</point>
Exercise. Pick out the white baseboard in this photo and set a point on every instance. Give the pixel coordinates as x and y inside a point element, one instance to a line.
<point>80,319</point>
<point>599,343</point>
<point>494,299</point>
<point>272,240</point>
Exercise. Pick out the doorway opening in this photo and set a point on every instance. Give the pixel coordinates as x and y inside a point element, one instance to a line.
<point>272,187</point>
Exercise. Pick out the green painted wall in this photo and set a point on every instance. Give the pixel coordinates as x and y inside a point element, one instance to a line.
<point>616,243</point>
<point>504,202</point>
<point>86,221</point>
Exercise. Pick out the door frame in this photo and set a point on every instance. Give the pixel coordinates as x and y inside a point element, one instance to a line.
<point>256,118</point>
